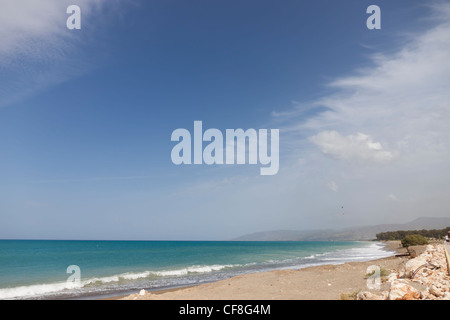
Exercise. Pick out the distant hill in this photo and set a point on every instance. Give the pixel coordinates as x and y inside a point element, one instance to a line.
<point>356,233</point>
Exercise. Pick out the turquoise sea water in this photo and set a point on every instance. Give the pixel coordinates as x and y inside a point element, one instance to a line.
<point>34,269</point>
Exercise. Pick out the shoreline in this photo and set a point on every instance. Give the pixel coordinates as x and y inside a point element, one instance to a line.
<point>253,258</point>
<point>322,282</point>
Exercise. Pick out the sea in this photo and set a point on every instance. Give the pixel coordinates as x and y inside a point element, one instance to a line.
<point>53,269</point>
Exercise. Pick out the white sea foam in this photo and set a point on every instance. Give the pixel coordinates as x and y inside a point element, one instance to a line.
<point>364,253</point>
<point>114,278</point>
<point>135,276</point>
<point>192,269</point>
<point>39,290</point>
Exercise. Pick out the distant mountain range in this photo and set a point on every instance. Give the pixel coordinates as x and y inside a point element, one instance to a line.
<point>356,233</point>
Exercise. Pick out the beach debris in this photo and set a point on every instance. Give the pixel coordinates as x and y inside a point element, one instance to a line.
<point>428,279</point>
<point>436,291</point>
<point>392,276</point>
<point>366,295</point>
<point>413,265</point>
<point>402,290</point>
<point>143,292</point>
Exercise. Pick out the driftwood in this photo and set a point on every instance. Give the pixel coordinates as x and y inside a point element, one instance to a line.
<point>428,264</point>
<point>410,253</point>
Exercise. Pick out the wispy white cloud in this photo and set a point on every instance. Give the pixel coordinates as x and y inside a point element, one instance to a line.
<point>36,48</point>
<point>33,28</point>
<point>383,127</point>
<point>402,99</point>
<point>333,186</point>
<point>392,197</point>
<point>359,147</point>
<point>98,179</point>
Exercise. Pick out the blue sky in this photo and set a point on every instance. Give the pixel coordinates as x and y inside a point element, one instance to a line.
<point>86,116</point>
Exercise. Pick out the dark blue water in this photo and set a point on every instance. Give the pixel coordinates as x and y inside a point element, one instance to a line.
<point>32,269</point>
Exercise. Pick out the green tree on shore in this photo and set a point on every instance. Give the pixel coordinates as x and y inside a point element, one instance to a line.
<point>401,234</point>
<point>414,240</point>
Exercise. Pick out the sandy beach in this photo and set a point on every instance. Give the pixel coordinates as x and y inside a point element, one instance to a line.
<point>327,282</point>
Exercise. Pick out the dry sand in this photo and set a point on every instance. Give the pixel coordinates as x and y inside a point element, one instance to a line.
<point>327,282</point>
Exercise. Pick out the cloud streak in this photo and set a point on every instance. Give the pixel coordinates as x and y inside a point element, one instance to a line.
<point>359,147</point>
<point>95,179</point>
<point>34,29</point>
<point>384,129</point>
<point>37,50</point>
<point>333,186</point>
<point>401,101</point>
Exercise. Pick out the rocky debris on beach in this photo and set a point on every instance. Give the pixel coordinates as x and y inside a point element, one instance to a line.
<point>143,292</point>
<point>422,278</point>
<point>142,295</point>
